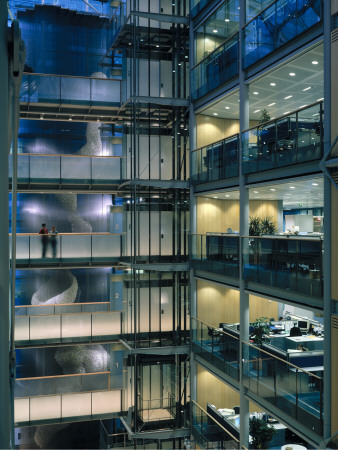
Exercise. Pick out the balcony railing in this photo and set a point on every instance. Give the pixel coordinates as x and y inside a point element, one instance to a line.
<point>276,25</point>
<point>208,432</point>
<point>83,248</point>
<point>61,308</point>
<point>60,89</point>
<point>217,68</point>
<point>67,169</point>
<point>293,390</point>
<point>116,21</point>
<point>197,6</point>
<point>65,399</point>
<point>216,161</point>
<point>67,327</point>
<point>292,139</point>
<point>217,253</point>
<point>292,264</point>
<point>215,346</point>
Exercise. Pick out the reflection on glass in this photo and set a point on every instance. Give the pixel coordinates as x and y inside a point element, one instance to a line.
<point>277,24</point>
<point>288,140</point>
<point>216,161</point>
<point>291,389</point>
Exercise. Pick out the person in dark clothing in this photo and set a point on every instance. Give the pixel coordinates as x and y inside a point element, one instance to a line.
<point>53,242</point>
<point>44,239</point>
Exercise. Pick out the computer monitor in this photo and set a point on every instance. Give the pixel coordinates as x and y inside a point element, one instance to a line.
<point>303,325</point>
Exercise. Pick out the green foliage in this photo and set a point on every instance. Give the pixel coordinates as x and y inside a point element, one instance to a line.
<point>260,432</point>
<point>261,328</point>
<point>264,116</point>
<point>259,226</point>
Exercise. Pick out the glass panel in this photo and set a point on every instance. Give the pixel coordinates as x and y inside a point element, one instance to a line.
<point>294,264</point>
<point>75,90</point>
<point>278,24</point>
<point>105,91</point>
<point>44,89</point>
<point>288,140</point>
<point>292,390</point>
<point>106,247</point>
<point>106,169</point>
<point>44,168</point>
<point>75,168</point>
<point>106,324</point>
<point>76,247</point>
<point>22,248</point>
<point>75,325</point>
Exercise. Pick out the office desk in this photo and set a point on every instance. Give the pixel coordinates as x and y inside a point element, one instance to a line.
<point>305,338</point>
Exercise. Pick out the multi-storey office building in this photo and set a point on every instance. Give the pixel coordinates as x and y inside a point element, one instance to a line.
<point>260,138</point>
<point>104,119</point>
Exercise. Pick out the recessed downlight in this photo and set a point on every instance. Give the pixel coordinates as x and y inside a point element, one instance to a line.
<point>315,62</point>
<point>272,189</point>
<point>272,84</point>
<point>314,184</point>
<point>227,195</point>
<point>292,74</point>
<point>257,110</point>
<point>255,93</point>
<point>227,107</point>
<point>271,104</point>
<point>288,96</point>
<point>215,31</point>
<point>292,187</point>
<point>215,197</point>
<point>307,88</point>
<point>215,114</point>
<point>226,20</point>
<point>255,192</point>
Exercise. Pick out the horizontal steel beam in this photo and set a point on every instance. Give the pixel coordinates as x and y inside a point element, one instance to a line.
<point>167,18</point>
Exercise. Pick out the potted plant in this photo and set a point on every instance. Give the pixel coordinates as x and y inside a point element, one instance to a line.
<point>257,227</point>
<point>261,328</point>
<point>260,432</point>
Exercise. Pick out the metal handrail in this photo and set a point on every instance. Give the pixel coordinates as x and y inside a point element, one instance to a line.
<point>216,142</point>
<point>214,328</point>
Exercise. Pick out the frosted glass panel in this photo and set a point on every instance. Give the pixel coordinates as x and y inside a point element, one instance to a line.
<point>43,168</point>
<point>21,410</point>
<point>68,384</point>
<point>106,246</point>
<point>76,325</point>
<point>74,168</point>
<point>76,405</point>
<point>35,247</point>
<point>77,89</point>
<point>106,402</point>
<point>43,327</point>
<point>76,246</point>
<point>22,247</point>
<point>47,88</point>
<point>106,168</point>
<point>108,323</point>
<point>43,408</point>
<point>21,328</point>
<point>23,167</point>
<point>105,91</point>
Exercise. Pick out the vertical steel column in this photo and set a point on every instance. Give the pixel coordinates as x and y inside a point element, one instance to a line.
<point>244,228</point>
<point>4,256</point>
<point>327,222</point>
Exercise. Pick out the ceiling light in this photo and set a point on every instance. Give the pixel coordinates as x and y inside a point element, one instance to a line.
<point>215,31</point>
<point>306,89</point>
<point>272,118</point>
<point>272,84</point>
<point>227,107</point>
<point>303,106</point>
<point>227,195</point>
<point>316,114</point>
<point>292,74</point>
<point>70,118</point>
<point>287,112</point>
<point>215,114</point>
<point>292,187</point>
<point>289,96</point>
<point>215,197</point>
<point>320,99</point>
<point>315,62</point>
<point>271,104</point>
<point>255,93</point>
<point>255,192</point>
<point>226,20</point>
<point>41,117</point>
<point>157,46</point>
<point>257,110</point>
<point>314,184</point>
<point>273,190</point>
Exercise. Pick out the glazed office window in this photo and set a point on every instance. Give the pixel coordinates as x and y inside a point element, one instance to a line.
<point>276,25</point>
<point>216,30</point>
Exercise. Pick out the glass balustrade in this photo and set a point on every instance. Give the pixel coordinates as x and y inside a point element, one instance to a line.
<point>276,25</point>
<point>216,161</point>
<point>217,253</point>
<point>66,169</point>
<point>97,7</point>
<point>67,327</point>
<point>117,20</point>
<point>75,405</point>
<point>288,263</point>
<point>197,6</point>
<point>61,308</point>
<point>293,390</point>
<point>217,347</point>
<point>288,140</point>
<point>39,88</point>
<point>61,384</point>
<point>217,68</point>
<point>84,248</point>
<point>208,432</point>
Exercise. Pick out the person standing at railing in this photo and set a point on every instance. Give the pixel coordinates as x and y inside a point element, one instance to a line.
<point>44,239</point>
<point>53,242</point>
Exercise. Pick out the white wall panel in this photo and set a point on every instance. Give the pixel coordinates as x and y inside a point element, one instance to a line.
<point>76,325</point>
<point>106,402</point>
<point>21,410</point>
<point>43,408</point>
<point>45,327</point>
<point>76,405</point>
